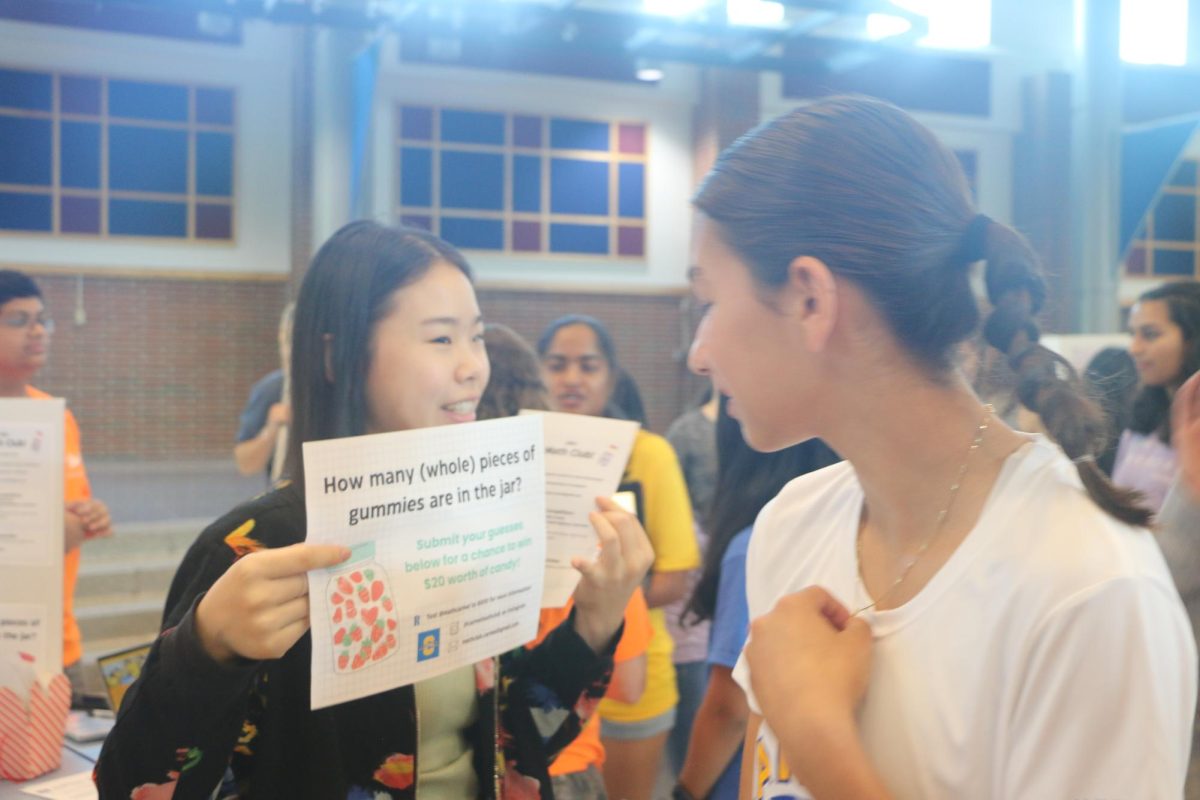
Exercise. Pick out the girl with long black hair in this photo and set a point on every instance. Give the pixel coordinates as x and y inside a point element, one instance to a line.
<point>388,336</point>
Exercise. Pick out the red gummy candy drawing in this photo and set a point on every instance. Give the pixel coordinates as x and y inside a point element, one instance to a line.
<point>363,616</point>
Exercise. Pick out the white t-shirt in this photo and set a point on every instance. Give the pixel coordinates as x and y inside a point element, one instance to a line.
<point>1049,658</point>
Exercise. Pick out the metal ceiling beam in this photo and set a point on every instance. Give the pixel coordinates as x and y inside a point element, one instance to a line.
<point>538,23</point>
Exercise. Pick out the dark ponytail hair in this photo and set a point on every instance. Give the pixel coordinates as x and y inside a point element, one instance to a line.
<point>1152,405</point>
<point>346,291</point>
<point>626,401</point>
<point>746,481</point>
<point>865,188</point>
<point>1047,384</point>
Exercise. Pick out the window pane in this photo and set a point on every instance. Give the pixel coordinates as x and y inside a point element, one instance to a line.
<point>590,239</point>
<point>527,237</point>
<point>25,90</point>
<point>1136,263</point>
<point>1185,174</point>
<point>472,127</point>
<point>527,131</point>
<point>25,151</point>
<point>631,241</point>
<point>78,95</point>
<point>158,101</point>
<point>24,212</point>
<point>214,221</point>
<point>416,122</point>
<point>1174,262</point>
<point>472,180</point>
<point>578,187</point>
<point>576,134</point>
<point>147,159</point>
<point>632,190</point>
<point>214,106</point>
<point>632,139</point>
<point>79,214</point>
<point>80,158</point>
<point>1175,218</point>
<point>527,183</point>
<point>416,177</point>
<point>214,164</point>
<point>146,218</point>
<point>473,234</point>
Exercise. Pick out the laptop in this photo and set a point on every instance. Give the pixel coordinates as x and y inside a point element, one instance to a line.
<point>119,670</point>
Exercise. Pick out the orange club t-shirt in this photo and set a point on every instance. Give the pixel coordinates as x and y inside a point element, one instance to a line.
<point>75,487</point>
<point>586,749</point>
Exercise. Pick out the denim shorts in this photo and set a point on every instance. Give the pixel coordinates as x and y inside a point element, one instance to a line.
<point>642,729</point>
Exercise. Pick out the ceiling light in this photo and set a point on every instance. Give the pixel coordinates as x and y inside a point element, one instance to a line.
<point>885,26</point>
<point>754,13</point>
<point>649,71</point>
<point>673,8</point>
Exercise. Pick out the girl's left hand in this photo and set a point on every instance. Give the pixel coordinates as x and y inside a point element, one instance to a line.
<point>809,659</point>
<point>609,579</point>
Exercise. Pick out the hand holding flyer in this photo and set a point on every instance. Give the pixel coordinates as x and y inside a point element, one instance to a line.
<point>447,534</point>
<point>585,457</point>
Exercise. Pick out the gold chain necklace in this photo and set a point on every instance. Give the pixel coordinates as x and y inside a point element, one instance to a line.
<point>941,518</point>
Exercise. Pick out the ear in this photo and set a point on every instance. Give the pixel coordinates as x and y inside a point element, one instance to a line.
<point>810,297</point>
<point>328,341</point>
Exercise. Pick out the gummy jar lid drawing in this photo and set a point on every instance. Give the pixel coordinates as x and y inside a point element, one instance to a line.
<point>362,611</point>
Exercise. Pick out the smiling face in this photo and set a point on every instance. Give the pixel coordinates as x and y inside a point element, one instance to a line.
<point>428,362</point>
<point>753,352</point>
<point>1158,346</point>
<point>24,337</point>
<point>576,372</point>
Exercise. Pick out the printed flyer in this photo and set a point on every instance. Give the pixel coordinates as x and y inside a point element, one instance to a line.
<point>447,528</point>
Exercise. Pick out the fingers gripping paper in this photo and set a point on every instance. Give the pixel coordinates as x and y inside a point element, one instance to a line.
<point>447,528</point>
<point>585,457</point>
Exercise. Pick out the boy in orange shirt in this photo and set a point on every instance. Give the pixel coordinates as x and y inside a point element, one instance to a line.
<point>25,330</point>
<point>576,772</point>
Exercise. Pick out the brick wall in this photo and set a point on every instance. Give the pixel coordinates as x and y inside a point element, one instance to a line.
<point>161,368</point>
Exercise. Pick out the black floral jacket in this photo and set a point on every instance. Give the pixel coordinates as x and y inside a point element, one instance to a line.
<point>193,728</point>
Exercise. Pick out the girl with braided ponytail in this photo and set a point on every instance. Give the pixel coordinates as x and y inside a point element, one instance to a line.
<point>958,610</point>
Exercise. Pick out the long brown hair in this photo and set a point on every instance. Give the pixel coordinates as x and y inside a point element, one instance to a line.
<point>516,380</point>
<point>865,188</point>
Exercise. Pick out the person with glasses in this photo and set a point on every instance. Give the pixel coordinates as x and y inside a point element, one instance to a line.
<point>25,331</point>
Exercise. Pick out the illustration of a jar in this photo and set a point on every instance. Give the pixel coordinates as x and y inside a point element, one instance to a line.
<point>363,612</point>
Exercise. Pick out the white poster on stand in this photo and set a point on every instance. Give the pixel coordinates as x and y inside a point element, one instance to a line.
<point>31,532</point>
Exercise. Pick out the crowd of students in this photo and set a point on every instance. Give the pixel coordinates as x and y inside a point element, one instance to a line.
<point>958,609</point>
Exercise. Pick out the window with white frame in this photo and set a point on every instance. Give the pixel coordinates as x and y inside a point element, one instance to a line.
<point>91,155</point>
<point>510,182</point>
